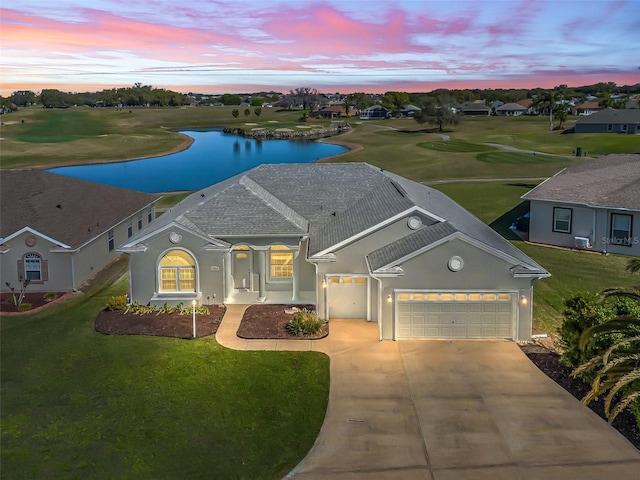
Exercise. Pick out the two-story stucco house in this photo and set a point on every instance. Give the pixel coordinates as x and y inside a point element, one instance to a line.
<point>356,241</point>
<point>592,206</point>
<point>58,231</point>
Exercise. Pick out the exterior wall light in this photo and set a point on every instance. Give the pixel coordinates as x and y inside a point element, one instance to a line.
<point>523,300</point>
<point>324,283</point>
<point>389,299</point>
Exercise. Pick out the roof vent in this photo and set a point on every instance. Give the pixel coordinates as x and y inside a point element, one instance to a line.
<point>59,206</point>
<point>414,223</point>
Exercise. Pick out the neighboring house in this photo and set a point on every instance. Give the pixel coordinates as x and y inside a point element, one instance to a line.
<point>591,206</point>
<point>610,120</point>
<point>330,111</point>
<point>587,108</point>
<point>374,112</point>
<point>474,109</point>
<point>408,111</point>
<point>58,231</point>
<point>512,109</point>
<point>356,241</point>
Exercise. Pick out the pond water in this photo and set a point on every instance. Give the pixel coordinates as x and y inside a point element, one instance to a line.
<point>214,156</point>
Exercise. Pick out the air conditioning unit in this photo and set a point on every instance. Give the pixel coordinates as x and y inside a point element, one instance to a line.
<point>583,242</point>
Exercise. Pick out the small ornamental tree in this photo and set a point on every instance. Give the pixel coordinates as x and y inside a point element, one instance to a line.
<point>235,112</point>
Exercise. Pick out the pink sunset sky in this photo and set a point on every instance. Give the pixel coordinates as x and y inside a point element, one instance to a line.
<point>333,46</point>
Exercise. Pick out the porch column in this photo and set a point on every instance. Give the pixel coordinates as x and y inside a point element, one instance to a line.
<point>228,279</point>
<point>295,296</point>
<point>262,272</point>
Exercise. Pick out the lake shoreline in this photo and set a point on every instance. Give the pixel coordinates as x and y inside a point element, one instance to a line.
<point>187,141</point>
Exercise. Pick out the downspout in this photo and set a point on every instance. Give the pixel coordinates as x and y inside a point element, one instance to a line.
<point>73,274</point>
<point>379,307</point>
<point>130,282</point>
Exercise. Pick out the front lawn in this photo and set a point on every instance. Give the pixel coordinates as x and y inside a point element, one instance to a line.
<point>78,404</point>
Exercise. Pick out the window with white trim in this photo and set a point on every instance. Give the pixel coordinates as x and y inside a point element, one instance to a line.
<point>149,216</point>
<point>140,221</point>
<point>621,229</point>
<point>562,219</point>
<point>112,243</point>
<point>33,267</point>
<point>609,127</point>
<point>624,128</point>
<point>130,230</point>
<point>281,262</point>
<point>177,272</point>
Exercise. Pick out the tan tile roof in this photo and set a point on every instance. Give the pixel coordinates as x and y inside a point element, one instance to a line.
<point>66,209</point>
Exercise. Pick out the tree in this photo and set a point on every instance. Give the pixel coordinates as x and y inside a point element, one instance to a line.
<point>547,100</point>
<point>438,111</point>
<point>395,101</point>
<point>561,115</point>
<point>257,111</point>
<point>617,369</point>
<point>235,112</point>
<point>229,99</point>
<point>247,112</point>
<point>305,96</point>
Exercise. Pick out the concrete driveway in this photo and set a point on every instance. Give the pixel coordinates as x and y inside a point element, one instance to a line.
<point>441,410</point>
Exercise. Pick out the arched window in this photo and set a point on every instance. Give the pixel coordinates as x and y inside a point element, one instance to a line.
<point>33,267</point>
<point>177,272</point>
<point>281,262</point>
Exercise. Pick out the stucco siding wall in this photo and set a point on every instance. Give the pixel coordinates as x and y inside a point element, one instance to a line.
<point>592,223</point>
<point>57,264</point>
<point>482,271</point>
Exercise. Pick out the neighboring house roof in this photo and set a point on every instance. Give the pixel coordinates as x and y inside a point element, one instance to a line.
<point>612,181</point>
<point>470,106</point>
<point>526,102</point>
<point>68,210</point>
<point>611,116</point>
<point>333,203</point>
<point>510,107</point>
<point>589,105</point>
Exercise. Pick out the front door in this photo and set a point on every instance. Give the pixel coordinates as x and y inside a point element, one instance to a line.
<point>241,269</point>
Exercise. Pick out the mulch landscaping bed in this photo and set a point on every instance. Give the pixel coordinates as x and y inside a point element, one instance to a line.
<point>270,322</point>
<point>36,299</point>
<point>174,325</point>
<point>549,362</point>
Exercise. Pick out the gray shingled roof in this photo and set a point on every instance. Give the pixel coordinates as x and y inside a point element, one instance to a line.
<point>612,181</point>
<point>610,115</point>
<point>66,209</point>
<point>332,202</point>
<point>390,254</point>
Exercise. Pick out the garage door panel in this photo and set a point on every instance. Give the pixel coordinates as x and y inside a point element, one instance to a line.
<point>460,315</point>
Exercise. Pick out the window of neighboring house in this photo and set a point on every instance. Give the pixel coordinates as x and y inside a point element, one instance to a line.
<point>33,267</point>
<point>621,229</point>
<point>149,217</point>
<point>130,230</point>
<point>624,128</point>
<point>609,128</point>
<point>112,243</point>
<point>177,272</point>
<point>140,222</point>
<point>281,262</point>
<point>562,220</point>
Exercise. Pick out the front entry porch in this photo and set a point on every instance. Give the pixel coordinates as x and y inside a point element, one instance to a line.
<point>284,297</point>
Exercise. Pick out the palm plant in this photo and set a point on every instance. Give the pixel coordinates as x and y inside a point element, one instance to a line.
<point>617,369</point>
<point>548,100</point>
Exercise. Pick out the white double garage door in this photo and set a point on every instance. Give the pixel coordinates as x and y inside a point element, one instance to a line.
<point>432,314</point>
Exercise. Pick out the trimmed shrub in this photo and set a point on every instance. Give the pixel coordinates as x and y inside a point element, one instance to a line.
<point>24,306</point>
<point>50,296</point>
<point>304,322</point>
<point>117,302</point>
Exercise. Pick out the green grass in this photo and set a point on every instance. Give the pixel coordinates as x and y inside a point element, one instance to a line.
<point>171,199</point>
<point>61,126</point>
<point>518,158</point>
<point>455,146</point>
<point>78,404</point>
<point>498,204</point>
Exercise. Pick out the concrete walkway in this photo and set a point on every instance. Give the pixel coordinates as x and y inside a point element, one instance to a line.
<point>443,410</point>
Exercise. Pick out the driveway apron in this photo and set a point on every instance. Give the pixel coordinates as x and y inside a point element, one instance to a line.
<point>443,410</point>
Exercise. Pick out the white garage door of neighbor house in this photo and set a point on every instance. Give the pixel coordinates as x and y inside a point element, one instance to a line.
<point>455,315</point>
<point>347,297</point>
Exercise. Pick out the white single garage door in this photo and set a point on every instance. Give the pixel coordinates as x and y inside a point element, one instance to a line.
<point>347,297</point>
<point>455,315</point>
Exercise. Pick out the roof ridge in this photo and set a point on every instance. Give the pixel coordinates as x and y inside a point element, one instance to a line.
<point>274,202</point>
